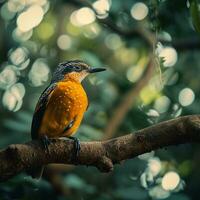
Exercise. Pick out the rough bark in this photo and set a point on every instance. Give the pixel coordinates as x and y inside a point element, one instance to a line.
<point>101,154</point>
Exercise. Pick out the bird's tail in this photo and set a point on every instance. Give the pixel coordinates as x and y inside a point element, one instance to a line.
<point>36,172</point>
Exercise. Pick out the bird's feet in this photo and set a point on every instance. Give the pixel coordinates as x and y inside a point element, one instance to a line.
<point>77,148</point>
<point>45,142</point>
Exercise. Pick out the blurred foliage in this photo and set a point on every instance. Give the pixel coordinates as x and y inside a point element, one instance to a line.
<point>36,35</point>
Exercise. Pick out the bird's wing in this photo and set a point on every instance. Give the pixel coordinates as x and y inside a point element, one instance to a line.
<point>40,109</point>
<point>88,105</point>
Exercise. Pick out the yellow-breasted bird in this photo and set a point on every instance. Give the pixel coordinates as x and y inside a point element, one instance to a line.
<point>61,106</point>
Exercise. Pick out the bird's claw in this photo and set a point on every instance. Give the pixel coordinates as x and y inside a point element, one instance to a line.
<point>77,148</point>
<point>46,142</point>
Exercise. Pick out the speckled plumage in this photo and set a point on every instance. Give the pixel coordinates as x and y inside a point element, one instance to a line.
<point>67,103</point>
<point>62,103</point>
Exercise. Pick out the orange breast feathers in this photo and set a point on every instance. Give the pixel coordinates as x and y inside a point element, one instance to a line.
<point>64,111</point>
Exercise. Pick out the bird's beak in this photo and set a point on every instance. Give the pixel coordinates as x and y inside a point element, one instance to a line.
<point>94,70</point>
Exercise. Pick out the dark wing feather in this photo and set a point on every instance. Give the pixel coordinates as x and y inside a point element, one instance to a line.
<point>71,123</point>
<point>88,105</point>
<point>40,109</point>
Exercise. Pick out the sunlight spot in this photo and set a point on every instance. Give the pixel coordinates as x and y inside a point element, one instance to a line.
<point>134,73</point>
<point>6,13</point>
<point>113,41</point>
<point>158,192</point>
<point>12,98</point>
<point>186,97</point>
<point>9,101</point>
<point>20,36</point>
<point>7,77</point>
<point>82,17</point>
<point>30,18</point>
<point>16,5</point>
<point>24,65</point>
<point>153,113</point>
<point>146,179</point>
<point>154,166</point>
<point>169,55</point>
<point>39,72</point>
<point>162,104</point>
<point>18,56</point>
<point>170,181</point>
<point>177,110</point>
<point>102,7</point>
<point>92,31</point>
<point>18,90</point>
<point>64,42</point>
<point>139,11</point>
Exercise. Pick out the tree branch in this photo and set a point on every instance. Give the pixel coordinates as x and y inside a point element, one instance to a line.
<point>128,100</point>
<point>103,154</point>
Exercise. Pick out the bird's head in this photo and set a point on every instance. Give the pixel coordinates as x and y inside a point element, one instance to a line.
<point>73,70</point>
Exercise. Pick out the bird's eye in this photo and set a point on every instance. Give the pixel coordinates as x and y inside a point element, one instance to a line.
<point>70,67</point>
<point>77,68</point>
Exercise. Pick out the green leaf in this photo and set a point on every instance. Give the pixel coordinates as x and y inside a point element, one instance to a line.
<point>194,11</point>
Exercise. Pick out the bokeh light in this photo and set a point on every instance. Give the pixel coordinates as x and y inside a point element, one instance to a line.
<point>134,73</point>
<point>18,56</point>
<point>170,181</point>
<point>92,31</point>
<point>8,77</point>
<point>20,36</point>
<point>169,55</point>
<point>82,17</point>
<point>162,104</point>
<point>176,110</point>
<point>30,18</point>
<point>16,5</point>
<point>154,166</point>
<point>64,42</point>
<point>18,90</point>
<point>113,41</point>
<point>6,13</point>
<point>158,192</point>
<point>153,113</point>
<point>39,72</point>
<point>146,179</point>
<point>186,97</point>
<point>102,7</point>
<point>139,11</point>
<point>12,98</point>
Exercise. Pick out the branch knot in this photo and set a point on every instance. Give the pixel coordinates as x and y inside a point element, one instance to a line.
<point>105,164</point>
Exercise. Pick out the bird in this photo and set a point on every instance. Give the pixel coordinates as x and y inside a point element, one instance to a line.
<point>61,106</point>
